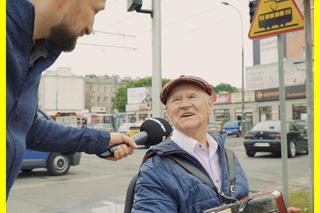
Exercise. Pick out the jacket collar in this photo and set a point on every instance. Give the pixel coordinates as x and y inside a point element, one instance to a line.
<point>169,147</point>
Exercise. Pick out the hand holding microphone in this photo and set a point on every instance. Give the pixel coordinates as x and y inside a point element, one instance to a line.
<point>120,146</point>
<point>152,132</point>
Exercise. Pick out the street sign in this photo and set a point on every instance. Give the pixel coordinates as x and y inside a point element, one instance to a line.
<point>274,17</point>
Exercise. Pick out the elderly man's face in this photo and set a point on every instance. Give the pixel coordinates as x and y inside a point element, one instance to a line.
<point>78,21</point>
<point>188,108</point>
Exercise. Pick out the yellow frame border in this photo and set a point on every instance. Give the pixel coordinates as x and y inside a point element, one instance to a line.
<point>3,105</point>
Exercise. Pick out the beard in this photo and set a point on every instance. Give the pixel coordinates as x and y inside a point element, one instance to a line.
<point>61,37</point>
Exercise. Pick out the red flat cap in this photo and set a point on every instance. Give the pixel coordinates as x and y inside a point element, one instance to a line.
<point>202,84</point>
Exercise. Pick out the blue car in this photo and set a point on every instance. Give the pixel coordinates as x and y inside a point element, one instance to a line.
<point>232,128</point>
<point>55,163</point>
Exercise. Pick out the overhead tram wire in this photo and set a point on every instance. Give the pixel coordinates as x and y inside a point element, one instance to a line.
<point>108,46</point>
<point>128,17</point>
<point>113,33</point>
<point>184,19</point>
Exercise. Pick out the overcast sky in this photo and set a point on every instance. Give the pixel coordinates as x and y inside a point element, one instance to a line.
<point>199,37</point>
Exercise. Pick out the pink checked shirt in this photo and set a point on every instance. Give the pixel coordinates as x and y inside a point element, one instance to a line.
<point>207,157</point>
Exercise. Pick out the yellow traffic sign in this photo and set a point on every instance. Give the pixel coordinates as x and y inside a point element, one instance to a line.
<point>275,17</point>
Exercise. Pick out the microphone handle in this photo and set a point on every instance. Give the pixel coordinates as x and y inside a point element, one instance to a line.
<point>110,151</point>
<point>141,139</point>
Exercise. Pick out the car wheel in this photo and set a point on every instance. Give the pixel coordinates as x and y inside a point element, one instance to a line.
<point>250,153</point>
<point>26,170</point>
<point>58,164</point>
<point>292,151</point>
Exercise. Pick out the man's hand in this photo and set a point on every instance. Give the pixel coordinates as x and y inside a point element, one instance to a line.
<point>125,149</point>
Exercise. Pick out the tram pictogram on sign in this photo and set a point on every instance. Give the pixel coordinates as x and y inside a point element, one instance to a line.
<point>275,17</point>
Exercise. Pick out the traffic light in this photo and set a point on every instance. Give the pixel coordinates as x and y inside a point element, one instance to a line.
<point>252,8</point>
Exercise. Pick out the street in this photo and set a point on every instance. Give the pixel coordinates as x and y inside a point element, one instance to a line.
<point>98,186</point>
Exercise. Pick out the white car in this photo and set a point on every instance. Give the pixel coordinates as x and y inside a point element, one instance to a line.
<point>124,128</point>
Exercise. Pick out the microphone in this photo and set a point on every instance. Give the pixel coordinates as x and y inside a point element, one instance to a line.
<point>152,132</point>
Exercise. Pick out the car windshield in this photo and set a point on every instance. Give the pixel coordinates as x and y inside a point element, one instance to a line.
<point>231,124</point>
<point>267,126</point>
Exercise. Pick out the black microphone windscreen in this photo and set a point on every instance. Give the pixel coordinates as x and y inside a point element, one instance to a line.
<point>157,129</point>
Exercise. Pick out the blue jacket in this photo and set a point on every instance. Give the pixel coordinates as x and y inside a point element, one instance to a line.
<point>164,186</point>
<point>24,129</point>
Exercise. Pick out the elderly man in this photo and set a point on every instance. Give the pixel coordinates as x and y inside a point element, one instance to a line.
<point>37,32</point>
<point>162,184</point>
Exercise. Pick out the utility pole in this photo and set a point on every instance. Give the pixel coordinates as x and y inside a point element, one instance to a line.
<point>310,94</point>
<point>156,50</point>
<point>156,58</point>
<point>243,117</point>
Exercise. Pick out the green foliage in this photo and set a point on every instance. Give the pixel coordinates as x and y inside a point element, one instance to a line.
<point>223,87</point>
<point>122,91</point>
<point>300,199</point>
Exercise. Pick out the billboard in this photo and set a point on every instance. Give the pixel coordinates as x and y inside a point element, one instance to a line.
<point>293,92</point>
<point>267,76</point>
<point>138,95</point>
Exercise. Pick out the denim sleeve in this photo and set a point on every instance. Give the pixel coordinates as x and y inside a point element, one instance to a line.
<point>151,193</point>
<point>49,136</point>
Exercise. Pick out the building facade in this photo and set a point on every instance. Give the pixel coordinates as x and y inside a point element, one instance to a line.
<point>262,83</point>
<point>100,93</point>
<point>61,90</point>
<point>262,105</point>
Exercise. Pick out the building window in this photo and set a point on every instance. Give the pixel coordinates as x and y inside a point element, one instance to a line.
<point>299,112</point>
<point>91,89</point>
<point>99,99</point>
<point>91,99</point>
<point>105,99</point>
<point>222,115</point>
<point>265,113</point>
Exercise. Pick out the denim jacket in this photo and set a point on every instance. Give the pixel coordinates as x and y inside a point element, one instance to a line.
<point>24,129</point>
<point>164,186</point>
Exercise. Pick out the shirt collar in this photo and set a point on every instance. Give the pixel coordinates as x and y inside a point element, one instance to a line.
<point>189,144</point>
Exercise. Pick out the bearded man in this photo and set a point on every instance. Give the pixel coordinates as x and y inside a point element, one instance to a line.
<point>37,32</point>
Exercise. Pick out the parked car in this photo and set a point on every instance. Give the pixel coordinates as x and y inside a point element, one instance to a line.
<point>265,137</point>
<point>55,163</point>
<point>232,128</point>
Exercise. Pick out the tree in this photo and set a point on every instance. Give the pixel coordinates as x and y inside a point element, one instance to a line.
<point>122,91</point>
<point>223,87</point>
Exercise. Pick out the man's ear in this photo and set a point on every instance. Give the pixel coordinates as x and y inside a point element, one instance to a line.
<point>167,114</point>
<point>211,100</point>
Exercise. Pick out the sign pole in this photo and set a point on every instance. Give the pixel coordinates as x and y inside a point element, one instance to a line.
<point>310,95</point>
<point>156,59</point>
<point>282,97</point>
